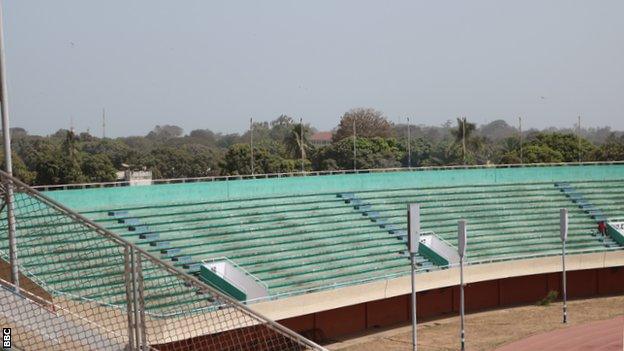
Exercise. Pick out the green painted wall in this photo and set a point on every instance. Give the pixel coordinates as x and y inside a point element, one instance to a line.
<point>615,234</point>
<point>107,198</point>
<point>221,284</point>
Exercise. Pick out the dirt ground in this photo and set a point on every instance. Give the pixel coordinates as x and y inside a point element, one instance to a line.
<point>487,330</point>
<point>25,283</point>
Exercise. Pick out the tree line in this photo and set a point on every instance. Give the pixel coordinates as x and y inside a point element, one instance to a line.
<point>283,145</point>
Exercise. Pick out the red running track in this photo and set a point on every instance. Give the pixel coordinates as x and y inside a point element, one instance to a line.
<point>602,336</point>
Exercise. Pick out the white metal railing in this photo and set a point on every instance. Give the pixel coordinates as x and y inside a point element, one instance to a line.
<point>425,270</point>
<point>311,173</point>
<point>246,272</point>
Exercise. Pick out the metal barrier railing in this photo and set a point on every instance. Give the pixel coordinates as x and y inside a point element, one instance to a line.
<point>114,294</point>
<point>375,278</point>
<point>311,173</point>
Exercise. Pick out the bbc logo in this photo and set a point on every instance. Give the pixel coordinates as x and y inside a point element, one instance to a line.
<point>6,338</point>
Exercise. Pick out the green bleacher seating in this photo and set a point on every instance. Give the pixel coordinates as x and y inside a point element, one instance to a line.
<point>316,241</point>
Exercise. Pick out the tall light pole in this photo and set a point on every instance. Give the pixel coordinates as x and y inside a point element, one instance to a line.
<point>251,144</point>
<point>103,123</point>
<point>521,141</point>
<point>413,229</point>
<point>354,147</point>
<point>462,239</point>
<point>464,139</point>
<point>409,145</point>
<point>563,224</point>
<point>301,146</point>
<point>6,131</point>
<point>578,137</point>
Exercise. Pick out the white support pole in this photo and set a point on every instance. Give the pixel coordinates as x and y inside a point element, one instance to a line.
<point>563,220</point>
<point>462,241</point>
<point>8,160</point>
<point>413,243</point>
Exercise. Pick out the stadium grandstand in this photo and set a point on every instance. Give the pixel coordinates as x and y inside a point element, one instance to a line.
<point>324,255</point>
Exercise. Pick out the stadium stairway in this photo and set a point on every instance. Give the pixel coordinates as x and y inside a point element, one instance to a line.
<point>367,210</point>
<point>579,199</point>
<point>504,220</point>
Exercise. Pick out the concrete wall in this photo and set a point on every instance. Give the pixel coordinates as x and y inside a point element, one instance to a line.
<point>326,325</point>
<point>86,199</point>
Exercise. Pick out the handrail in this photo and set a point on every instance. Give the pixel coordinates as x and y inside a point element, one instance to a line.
<point>315,173</point>
<point>431,232</point>
<point>174,271</point>
<point>424,270</point>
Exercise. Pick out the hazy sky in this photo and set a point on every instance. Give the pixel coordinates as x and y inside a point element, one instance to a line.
<point>213,64</point>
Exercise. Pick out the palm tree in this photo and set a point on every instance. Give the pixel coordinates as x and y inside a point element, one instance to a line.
<point>296,141</point>
<point>464,136</point>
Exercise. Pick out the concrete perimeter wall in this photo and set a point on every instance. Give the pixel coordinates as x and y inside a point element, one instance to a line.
<point>120,197</point>
<point>327,325</point>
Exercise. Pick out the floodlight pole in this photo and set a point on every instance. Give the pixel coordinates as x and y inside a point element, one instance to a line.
<point>251,144</point>
<point>521,146</point>
<point>301,144</point>
<point>462,241</point>
<point>563,220</point>
<point>464,139</point>
<point>354,147</point>
<point>413,242</point>
<point>8,160</point>
<point>103,122</point>
<point>409,145</point>
<point>578,136</point>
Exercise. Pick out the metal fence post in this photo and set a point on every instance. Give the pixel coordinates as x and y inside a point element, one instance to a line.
<point>8,185</point>
<point>563,223</point>
<point>141,300</point>
<point>128,283</point>
<point>462,240</point>
<point>413,229</point>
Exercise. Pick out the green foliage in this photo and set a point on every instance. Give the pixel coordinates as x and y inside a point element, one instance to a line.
<point>566,145</point>
<point>371,153</point>
<point>549,298</point>
<point>611,150</point>
<point>98,168</point>
<point>19,167</point>
<point>64,157</point>
<point>421,151</point>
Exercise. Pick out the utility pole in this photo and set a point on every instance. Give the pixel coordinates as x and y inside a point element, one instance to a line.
<point>301,146</point>
<point>462,239</point>
<point>413,229</point>
<point>578,136</point>
<point>103,123</point>
<point>409,145</point>
<point>4,101</point>
<point>563,225</point>
<point>521,141</point>
<point>354,147</point>
<point>251,144</point>
<point>464,139</point>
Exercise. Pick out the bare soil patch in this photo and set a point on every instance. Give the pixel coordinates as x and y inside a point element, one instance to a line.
<point>487,330</point>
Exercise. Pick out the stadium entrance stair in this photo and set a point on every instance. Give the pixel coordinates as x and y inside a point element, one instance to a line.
<point>579,200</point>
